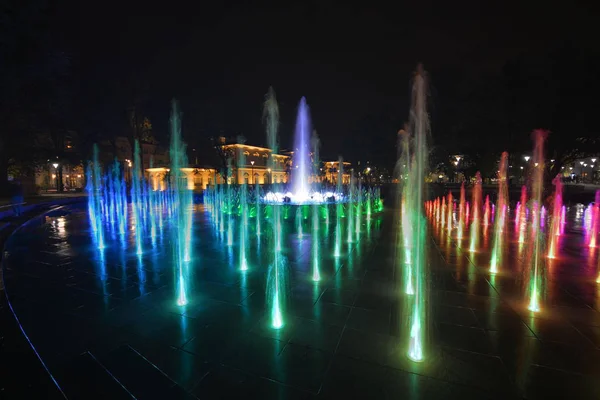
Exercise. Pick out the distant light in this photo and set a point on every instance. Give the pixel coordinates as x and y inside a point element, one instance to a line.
<point>580,162</point>
<point>521,167</point>
<point>552,160</point>
<point>527,158</point>
<point>593,160</point>
<point>536,164</point>
<point>441,176</point>
<point>570,167</point>
<point>79,175</point>
<point>55,165</point>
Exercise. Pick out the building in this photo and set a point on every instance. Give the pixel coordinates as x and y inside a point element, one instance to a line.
<point>330,172</point>
<point>255,166</point>
<point>196,178</point>
<point>63,171</point>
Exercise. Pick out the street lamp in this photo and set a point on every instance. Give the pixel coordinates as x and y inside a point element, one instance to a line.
<point>252,162</point>
<point>55,165</point>
<point>527,158</point>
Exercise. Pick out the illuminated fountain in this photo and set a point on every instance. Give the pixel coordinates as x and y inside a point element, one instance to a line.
<point>316,275</point>
<point>277,272</point>
<point>350,216</point>
<point>461,214</point>
<point>93,188</point>
<point>522,215</point>
<point>536,262</point>
<point>403,224</point>
<point>449,213</point>
<point>338,213</point>
<point>229,205</point>
<point>555,228</point>
<point>136,197</point>
<point>301,157</point>
<point>243,227</point>
<point>182,203</point>
<point>258,209</point>
<point>501,209</point>
<point>593,221</point>
<point>475,224</point>
<point>417,303</point>
<point>300,190</point>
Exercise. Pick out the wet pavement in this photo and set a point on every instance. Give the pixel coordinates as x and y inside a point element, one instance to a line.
<point>107,325</point>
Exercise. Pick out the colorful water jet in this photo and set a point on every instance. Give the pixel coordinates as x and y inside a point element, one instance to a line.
<point>536,261</point>
<point>419,128</point>
<point>276,275</point>
<point>555,228</point>
<point>475,224</point>
<point>244,211</point>
<point>461,214</point>
<point>502,204</point>
<point>182,204</point>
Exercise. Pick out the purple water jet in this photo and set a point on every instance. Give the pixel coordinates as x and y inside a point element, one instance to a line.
<point>301,157</point>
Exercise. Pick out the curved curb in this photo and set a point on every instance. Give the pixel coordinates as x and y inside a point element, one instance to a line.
<point>10,306</point>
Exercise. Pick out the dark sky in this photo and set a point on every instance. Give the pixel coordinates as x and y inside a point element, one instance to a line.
<point>219,58</point>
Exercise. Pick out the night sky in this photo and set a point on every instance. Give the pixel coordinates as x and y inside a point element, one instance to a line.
<point>349,61</point>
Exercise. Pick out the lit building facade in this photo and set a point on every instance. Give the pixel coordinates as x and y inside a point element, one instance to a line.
<point>196,178</point>
<point>255,168</point>
<point>331,168</point>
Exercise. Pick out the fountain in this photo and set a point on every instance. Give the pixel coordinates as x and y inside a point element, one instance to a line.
<point>502,202</point>
<point>419,128</point>
<point>277,273</point>
<point>476,200</point>
<point>555,229</point>
<point>316,275</point>
<point>136,194</point>
<point>244,210</point>
<point>403,224</point>
<point>182,203</point>
<point>535,259</point>
<point>338,212</point>
<point>461,213</point>
<point>351,200</point>
<point>93,189</point>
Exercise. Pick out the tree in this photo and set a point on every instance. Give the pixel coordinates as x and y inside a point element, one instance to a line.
<point>33,86</point>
